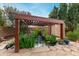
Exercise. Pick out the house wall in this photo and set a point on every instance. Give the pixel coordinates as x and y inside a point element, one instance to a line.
<point>55,29</point>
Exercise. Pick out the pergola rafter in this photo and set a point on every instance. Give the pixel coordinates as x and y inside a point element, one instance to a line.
<point>35,20</point>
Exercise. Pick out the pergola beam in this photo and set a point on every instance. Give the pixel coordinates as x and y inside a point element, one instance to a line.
<point>36,18</point>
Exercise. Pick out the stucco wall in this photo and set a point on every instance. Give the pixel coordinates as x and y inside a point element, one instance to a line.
<point>55,29</point>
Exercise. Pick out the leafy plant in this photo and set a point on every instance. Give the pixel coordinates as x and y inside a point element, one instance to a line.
<point>32,41</point>
<point>51,39</point>
<point>22,41</point>
<point>36,32</point>
<point>73,36</point>
<point>27,41</point>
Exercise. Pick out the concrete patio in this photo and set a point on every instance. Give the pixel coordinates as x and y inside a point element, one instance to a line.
<point>57,50</point>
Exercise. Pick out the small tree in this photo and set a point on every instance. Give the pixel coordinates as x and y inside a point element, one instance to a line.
<point>12,12</point>
<point>54,13</point>
<point>62,14</point>
<point>68,12</point>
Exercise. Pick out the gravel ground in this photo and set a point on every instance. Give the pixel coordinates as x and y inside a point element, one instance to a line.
<point>57,50</point>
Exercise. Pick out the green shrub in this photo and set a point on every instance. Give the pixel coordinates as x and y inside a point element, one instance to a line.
<point>35,33</point>
<point>32,40</point>
<point>51,39</point>
<point>22,41</point>
<point>27,41</point>
<point>73,36</point>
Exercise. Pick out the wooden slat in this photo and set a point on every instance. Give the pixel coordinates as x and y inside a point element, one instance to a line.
<point>36,18</point>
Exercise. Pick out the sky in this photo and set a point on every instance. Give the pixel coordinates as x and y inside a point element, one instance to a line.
<point>37,9</point>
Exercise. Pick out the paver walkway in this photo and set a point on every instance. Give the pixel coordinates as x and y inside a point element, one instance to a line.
<point>57,50</point>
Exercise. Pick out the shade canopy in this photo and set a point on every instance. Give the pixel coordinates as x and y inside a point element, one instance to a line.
<point>36,20</point>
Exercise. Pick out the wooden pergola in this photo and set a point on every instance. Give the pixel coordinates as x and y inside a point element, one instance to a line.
<point>35,20</point>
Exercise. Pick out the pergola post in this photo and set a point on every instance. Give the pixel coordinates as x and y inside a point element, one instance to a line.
<point>16,35</point>
<point>49,29</point>
<point>61,31</point>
